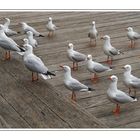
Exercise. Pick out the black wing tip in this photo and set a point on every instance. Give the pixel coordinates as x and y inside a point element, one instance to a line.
<point>22,49</point>
<point>18,32</point>
<point>50,73</point>
<point>41,35</point>
<point>133,97</point>
<point>91,89</point>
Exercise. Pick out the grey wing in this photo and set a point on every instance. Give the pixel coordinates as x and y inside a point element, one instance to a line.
<point>136,82</point>
<point>76,85</point>
<point>136,35</point>
<point>78,56</point>
<point>35,64</point>
<point>100,68</point>
<point>113,51</point>
<point>122,97</point>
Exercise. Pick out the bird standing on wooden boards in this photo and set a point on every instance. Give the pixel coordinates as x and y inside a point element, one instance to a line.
<point>35,64</point>
<point>117,96</point>
<point>73,84</point>
<point>93,34</point>
<point>26,28</point>
<point>132,36</point>
<point>109,50</point>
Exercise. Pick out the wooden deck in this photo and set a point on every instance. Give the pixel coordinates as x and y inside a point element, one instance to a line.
<point>47,104</point>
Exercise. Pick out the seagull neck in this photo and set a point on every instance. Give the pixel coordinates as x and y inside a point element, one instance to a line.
<point>29,51</point>
<point>7,23</point>
<point>67,74</point>
<point>127,73</point>
<point>30,36</point>
<point>93,26</point>
<point>113,86</point>
<point>107,42</point>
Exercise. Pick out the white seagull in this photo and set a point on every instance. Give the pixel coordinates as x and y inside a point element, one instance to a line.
<point>31,39</point>
<point>51,27</point>
<point>73,84</point>
<point>95,67</point>
<point>26,28</point>
<point>132,35</point>
<point>117,96</point>
<point>130,80</point>
<point>109,50</point>
<point>7,30</point>
<point>35,64</point>
<point>75,56</point>
<point>9,44</point>
<point>93,33</point>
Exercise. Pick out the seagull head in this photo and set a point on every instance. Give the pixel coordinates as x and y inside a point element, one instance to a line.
<point>26,41</point>
<point>50,18</point>
<point>7,19</point>
<point>65,68</point>
<point>22,23</point>
<point>127,67</point>
<point>93,22</point>
<point>129,29</point>
<point>89,57</point>
<point>1,27</point>
<point>29,33</point>
<point>70,46</point>
<point>106,37</point>
<point>113,78</point>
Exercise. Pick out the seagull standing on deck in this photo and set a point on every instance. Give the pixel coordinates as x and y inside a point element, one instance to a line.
<point>130,80</point>
<point>75,56</point>
<point>7,30</point>
<point>93,33</point>
<point>95,67</point>
<point>35,64</point>
<point>73,84</point>
<point>51,27</point>
<point>8,44</point>
<point>31,39</point>
<point>132,35</point>
<point>26,28</point>
<point>109,50</point>
<point>117,96</point>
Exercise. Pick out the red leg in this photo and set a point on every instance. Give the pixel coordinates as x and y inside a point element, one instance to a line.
<point>73,68</point>
<point>73,97</point>
<point>129,91</point>
<point>117,110</point>
<point>76,66</point>
<point>94,78</point>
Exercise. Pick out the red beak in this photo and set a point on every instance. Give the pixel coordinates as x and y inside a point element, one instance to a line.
<point>61,66</point>
<point>109,78</point>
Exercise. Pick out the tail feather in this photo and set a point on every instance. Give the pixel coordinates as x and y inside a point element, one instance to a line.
<point>91,89</point>
<point>134,98</point>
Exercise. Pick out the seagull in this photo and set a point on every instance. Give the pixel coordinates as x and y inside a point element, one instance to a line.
<point>132,35</point>
<point>35,64</point>
<point>130,80</point>
<point>8,32</point>
<point>51,27</point>
<point>117,96</point>
<point>31,39</point>
<point>93,33</point>
<point>95,67</point>
<point>8,44</point>
<point>75,56</point>
<point>26,28</point>
<point>109,50</point>
<point>73,84</point>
